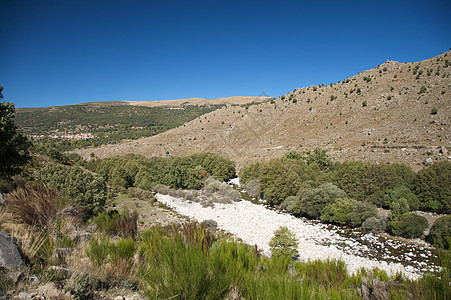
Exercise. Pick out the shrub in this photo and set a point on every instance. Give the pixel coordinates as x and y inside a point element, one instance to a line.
<point>398,207</point>
<point>124,224</point>
<point>440,234</point>
<point>338,211</point>
<point>364,103</point>
<point>434,111</point>
<point>409,225</point>
<point>290,203</point>
<point>284,243</point>
<point>253,188</point>
<point>98,249</point>
<point>360,212</point>
<point>34,205</point>
<point>399,192</point>
<point>314,200</point>
<point>374,224</point>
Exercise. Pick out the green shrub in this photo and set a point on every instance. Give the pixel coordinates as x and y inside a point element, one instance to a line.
<point>409,225</point>
<point>440,233</point>
<point>284,243</point>
<point>374,224</point>
<point>253,188</point>
<point>338,211</point>
<point>98,249</point>
<point>434,111</point>
<point>399,192</point>
<point>398,207</point>
<point>314,200</point>
<point>360,212</point>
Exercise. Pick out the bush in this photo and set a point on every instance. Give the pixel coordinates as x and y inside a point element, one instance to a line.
<point>360,212</point>
<point>409,225</point>
<point>284,243</point>
<point>314,200</point>
<point>374,224</point>
<point>124,224</point>
<point>399,192</point>
<point>253,188</point>
<point>290,203</point>
<point>398,207</point>
<point>98,249</point>
<point>440,234</point>
<point>338,211</point>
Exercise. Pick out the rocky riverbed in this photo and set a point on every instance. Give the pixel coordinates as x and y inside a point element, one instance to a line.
<point>255,224</point>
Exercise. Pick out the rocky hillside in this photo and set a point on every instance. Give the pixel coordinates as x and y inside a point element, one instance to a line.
<point>396,112</point>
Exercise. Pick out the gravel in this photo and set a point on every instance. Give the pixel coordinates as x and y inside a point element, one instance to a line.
<point>255,224</point>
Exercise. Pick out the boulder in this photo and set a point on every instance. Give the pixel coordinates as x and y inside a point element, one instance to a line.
<point>428,161</point>
<point>10,257</point>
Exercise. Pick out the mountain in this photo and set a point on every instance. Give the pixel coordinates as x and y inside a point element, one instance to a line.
<point>113,121</point>
<point>395,112</point>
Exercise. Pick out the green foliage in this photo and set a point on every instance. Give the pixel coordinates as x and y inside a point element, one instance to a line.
<point>284,243</point>
<point>398,207</point>
<point>374,224</point>
<point>320,158</point>
<point>347,211</point>
<point>78,185</point>
<point>440,233</point>
<point>361,212</point>
<point>349,176</point>
<point>409,225</point>
<point>186,172</point>
<point>434,111</point>
<point>399,192</point>
<point>124,224</point>
<point>98,249</point>
<point>173,268</point>
<point>315,200</point>
<point>13,145</point>
<point>338,211</point>
<point>433,187</point>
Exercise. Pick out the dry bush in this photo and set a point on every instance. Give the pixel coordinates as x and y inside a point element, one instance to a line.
<point>127,224</point>
<point>33,204</point>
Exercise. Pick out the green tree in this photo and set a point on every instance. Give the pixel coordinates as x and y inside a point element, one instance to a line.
<point>13,145</point>
<point>284,243</point>
<point>433,187</point>
<point>349,176</point>
<point>440,234</point>
<point>320,158</point>
<point>337,212</point>
<point>409,225</point>
<point>314,200</point>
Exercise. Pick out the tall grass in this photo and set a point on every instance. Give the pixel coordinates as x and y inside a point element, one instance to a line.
<point>34,204</point>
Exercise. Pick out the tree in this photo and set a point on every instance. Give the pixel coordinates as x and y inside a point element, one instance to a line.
<point>284,243</point>
<point>320,158</point>
<point>433,187</point>
<point>13,145</point>
<point>314,200</point>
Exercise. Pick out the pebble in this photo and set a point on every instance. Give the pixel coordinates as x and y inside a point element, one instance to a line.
<point>255,224</point>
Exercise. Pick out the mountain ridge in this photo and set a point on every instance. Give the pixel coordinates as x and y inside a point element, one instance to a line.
<point>395,112</point>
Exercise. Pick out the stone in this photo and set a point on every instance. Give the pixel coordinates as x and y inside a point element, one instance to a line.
<point>428,161</point>
<point>119,298</point>
<point>80,236</point>
<point>10,257</point>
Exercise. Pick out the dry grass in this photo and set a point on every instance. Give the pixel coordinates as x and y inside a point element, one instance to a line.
<point>33,205</point>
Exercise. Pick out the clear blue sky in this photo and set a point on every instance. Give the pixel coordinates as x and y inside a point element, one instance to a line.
<point>71,51</point>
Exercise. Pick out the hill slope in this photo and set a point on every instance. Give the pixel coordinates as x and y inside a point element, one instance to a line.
<point>396,112</point>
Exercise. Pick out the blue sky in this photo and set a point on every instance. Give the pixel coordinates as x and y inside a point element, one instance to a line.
<point>71,51</point>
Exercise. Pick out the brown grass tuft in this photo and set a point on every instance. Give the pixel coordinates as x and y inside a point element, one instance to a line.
<point>33,204</point>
